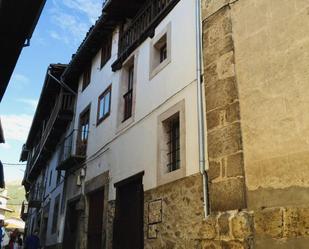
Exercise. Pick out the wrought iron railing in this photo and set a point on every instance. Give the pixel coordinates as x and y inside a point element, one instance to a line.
<point>73,146</point>
<point>145,19</point>
<point>65,104</point>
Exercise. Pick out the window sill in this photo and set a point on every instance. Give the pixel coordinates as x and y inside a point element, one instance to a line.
<point>100,120</point>
<point>159,68</point>
<point>123,125</point>
<point>171,176</point>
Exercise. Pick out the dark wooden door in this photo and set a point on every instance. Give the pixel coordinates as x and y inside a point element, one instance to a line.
<point>128,227</point>
<point>95,220</point>
<point>71,226</point>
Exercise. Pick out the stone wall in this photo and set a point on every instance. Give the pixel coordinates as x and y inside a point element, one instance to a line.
<point>110,224</point>
<point>225,148</point>
<point>256,84</point>
<point>174,214</point>
<point>174,220</point>
<point>272,58</point>
<point>256,78</point>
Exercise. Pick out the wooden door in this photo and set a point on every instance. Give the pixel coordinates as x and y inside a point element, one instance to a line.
<point>129,222</point>
<point>71,226</point>
<point>95,220</point>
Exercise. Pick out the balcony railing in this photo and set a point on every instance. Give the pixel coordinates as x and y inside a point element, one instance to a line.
<point>61,114</point>
<point>142,26</point>
<point>72,150</point>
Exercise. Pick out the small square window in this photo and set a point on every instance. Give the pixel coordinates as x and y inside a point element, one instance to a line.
<point>163,53</point>
<point>104,105</point>
<point>160,51</point>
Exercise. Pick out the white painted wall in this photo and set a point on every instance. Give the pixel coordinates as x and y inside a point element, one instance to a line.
<point>134,149</point>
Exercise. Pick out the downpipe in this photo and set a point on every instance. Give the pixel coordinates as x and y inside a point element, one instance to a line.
<point>200,107</point>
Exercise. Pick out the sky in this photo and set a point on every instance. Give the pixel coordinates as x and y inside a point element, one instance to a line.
<point>60,30</point>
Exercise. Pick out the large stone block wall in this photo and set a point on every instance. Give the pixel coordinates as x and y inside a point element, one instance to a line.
<point>174,220</point>
<point>174,214</point>
<point>271,42</point>
<point>256,58</point>
<point>225,147</point>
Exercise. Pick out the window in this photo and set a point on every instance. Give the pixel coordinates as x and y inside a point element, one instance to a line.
<point>106,51</point>
<point>50,177</point>
<point>128,96</point>
<point>160,51</point>
<point>55,214</point>
<point>83,132</point>
<point>173,153</point>
<point>104,105</point>
<point>163,53</point>
<point>86,77</point>
<point>58,176</point>
<point>171,144</point>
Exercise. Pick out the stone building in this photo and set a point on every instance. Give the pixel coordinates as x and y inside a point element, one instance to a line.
<point>255,75</point>
<point>189,128</point>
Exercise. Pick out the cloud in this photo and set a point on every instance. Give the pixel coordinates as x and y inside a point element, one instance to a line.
<point>19,80</point>
<point>5,146</point>
<point>70,25</point>
<point>30,102</point>
<point>90,8</point>
<point>16,127</point>
<point>72,19</point>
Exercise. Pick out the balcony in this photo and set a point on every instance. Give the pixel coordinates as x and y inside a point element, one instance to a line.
<point>73,150</point>
<point>141,27</point>
<point>34,203</point>
<point>60,117</point>
<point>24,211</point>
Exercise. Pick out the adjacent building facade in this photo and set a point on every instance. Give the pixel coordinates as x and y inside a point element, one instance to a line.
<point>115,153</point>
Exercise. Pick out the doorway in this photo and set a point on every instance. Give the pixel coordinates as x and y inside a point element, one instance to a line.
<point>71,229</point>
<point>129,214</point>
<point>95,220</point>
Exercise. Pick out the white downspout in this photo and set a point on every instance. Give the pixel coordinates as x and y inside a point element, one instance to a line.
<point>200,107</point>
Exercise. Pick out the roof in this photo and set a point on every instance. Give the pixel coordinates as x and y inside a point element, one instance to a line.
<point>49,92</point>
<point>18,19</point>
<point>114,12</point>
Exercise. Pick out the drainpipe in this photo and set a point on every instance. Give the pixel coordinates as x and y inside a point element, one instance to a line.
<point>200,107</point>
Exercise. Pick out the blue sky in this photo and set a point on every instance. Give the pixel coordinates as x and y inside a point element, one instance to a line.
<point>60,30</point>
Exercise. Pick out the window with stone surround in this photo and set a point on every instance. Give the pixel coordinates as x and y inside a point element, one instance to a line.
<point>171,128</point>
<point>171,144</point>
<point>160,51</point>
